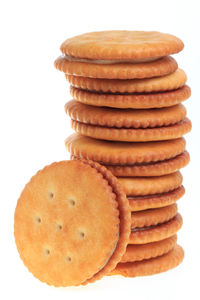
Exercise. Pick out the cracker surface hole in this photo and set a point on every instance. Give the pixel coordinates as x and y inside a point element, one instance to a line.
<point>51,195</point>
<point>59,227</point>
<point>47,252</point>
<point>81,234</point>
<point>72,202</point>
<point>38,220</point>
<point>68,259</point>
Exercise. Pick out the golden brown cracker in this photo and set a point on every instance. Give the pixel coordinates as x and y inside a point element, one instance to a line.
<point>168,82</point>
<point>156,233</point>
<point>125,118</point>
<point>151,217</point>
<point>133,135</point>
<point>151,266</point>
<point>139,203</point>
<point>149,250</point>
<point>137,101</point>
<point>54,223</point>
<point>139,186</point>
<point>121,153</point>
<point>122,44</point>
<point>152,169</point>
<point>124,217</point>
<point>116,70</point>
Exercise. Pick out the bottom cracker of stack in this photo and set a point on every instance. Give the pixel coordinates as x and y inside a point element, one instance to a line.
<point>151,266</point>
<point>152,246</point>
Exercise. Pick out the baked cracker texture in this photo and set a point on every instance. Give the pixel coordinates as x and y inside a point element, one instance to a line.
<point>149,250</point>
<point>125,118</point>
<point>138,101</point>
<point>121,153</point>
<point>122,44</point>
<point>55,223</point>
<point>151,266</point>
<point>122,70</point>
<point>151,217</point>
<point>156,233</point>
<point>140,186</point>
<point>159,168</point>
<point>124,217</point>
<point>140,203</point>
<point>168,82</point>
<point>133,135</point>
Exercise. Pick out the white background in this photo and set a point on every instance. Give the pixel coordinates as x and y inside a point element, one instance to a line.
<point>34,126</point>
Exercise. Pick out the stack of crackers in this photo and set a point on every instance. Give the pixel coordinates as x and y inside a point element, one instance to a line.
<point>128,115</point>
<point>112,208</point>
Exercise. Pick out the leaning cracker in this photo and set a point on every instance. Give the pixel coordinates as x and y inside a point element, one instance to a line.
<point>159,168</point>
<point>122,44</point>
<point>149,250</point>
<point>123,153</point>
<point>54,223</point>
<point>139,186</point>
<point>133,135</point>
<point>168,82</point>
<point>140,203</point>
<point>114,69</point>
<point>125,221</point>
<point>151,266</point>
<point>151,217</point>
<point>138,101</point>
<point>124,118</point>
<point>156,233</point>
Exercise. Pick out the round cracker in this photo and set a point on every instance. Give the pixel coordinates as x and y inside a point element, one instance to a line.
<point>139,186</point>
<point>121,153</point>
<point>125,221</point>
<point>137,101</point>
<point>140,203</point>
<point>124,118</point>
<point>156,233</point>
<point>168,82</point>
<point>149,250</point>
<point>151,266</point>
<point>119,44</point>
<point>114,70</point>
<point>159,168</point>
<point>134,135</point>
<point>56,220</point>
<point>151,217</point>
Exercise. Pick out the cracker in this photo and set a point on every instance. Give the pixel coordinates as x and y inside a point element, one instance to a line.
<point>125,118</point>
<point>156,233</point>
<point>152,100</point>
<point>133,135</point>
<point>168,82</point>
<point>140,203</point>
<point>159,168</point>
<point>139,186</point>
<point>151,217</point>
<point>151,266</point>
<point>149,250</point>
<point>123,45</point>
<point>124,226</point>
<point>55,231</point>
<point>121,153</point>
<point>114,70</point>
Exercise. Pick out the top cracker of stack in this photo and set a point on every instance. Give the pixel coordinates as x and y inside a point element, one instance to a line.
<point>123,70</point>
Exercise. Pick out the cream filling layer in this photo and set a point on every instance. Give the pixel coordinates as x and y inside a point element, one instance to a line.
<point>109,62</point>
